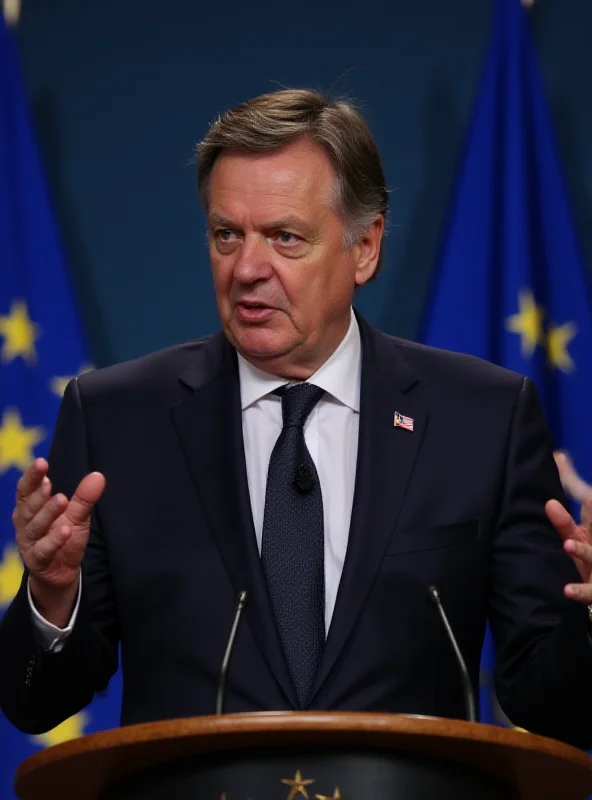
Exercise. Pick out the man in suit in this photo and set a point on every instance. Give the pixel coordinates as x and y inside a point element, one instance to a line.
<point>331,471</point>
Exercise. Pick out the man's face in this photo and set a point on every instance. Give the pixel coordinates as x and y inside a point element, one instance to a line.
<point>284,284</point>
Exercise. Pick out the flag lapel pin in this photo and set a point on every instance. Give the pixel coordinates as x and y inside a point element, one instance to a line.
<point>401,421</point>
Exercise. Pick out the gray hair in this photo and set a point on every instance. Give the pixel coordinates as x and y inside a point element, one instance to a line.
<point>271,121</point>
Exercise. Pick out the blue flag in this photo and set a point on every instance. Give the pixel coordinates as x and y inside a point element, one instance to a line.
<point>41,347</point>
<point>511,286</point>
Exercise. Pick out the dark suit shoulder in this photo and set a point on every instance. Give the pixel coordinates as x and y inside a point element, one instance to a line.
<point>458,371</point>
<point>148,374</point>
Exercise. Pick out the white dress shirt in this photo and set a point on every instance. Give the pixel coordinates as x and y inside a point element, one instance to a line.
<point>331,435</point>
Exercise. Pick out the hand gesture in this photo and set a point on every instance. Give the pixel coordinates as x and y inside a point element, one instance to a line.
<point>577,539</point>
<point>52,534</point>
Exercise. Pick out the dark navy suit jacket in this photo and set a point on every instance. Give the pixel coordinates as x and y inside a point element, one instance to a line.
<point>458,503</point>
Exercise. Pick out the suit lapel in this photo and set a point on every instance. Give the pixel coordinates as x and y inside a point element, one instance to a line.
<point>209,426</point>
<point>386,456</point>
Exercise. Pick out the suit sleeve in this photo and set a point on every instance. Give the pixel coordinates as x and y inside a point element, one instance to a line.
<point>543,670</point>
<point>38,690</point>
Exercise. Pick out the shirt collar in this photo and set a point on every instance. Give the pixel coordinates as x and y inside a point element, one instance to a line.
<point>339,376</point>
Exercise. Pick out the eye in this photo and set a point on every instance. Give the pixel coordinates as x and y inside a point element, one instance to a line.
<point>287,238</point>
<point>224,234</point>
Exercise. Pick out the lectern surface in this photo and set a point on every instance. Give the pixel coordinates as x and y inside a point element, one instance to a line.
<point>279,756</point>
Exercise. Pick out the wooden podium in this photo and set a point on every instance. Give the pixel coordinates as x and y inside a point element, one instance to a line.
<point>287,756</point>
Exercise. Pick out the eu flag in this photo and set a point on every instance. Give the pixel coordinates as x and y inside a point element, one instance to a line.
<point>41,347</point>
<point>511,286</point>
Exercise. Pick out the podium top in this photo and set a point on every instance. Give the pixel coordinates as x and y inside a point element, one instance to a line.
<point>537,767</point>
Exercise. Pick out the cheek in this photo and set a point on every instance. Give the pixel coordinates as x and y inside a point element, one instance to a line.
<point>221,274</point>
<point>312,287</point>
<point>296,283</point>
<point>334,280</point>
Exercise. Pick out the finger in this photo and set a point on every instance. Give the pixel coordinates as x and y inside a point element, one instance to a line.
<point>580,592</point>
<point>34,502</point>
<point>87,494</point>
<point>581,551</point>
<point>562,520</point>
<point>587,517</point>
<point>574,485</point>
<point>47,548</point>
<point>40,524</point>
<point>31,478</point>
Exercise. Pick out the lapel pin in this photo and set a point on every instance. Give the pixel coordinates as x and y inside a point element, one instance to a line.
<point>402,421</point>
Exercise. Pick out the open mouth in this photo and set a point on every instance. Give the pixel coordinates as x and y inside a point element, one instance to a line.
<point>253,311</point>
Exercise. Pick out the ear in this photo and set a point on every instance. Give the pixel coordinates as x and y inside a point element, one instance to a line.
<point>367,251</point>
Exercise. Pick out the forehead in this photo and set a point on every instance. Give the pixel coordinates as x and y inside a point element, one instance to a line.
<point>299,177</point>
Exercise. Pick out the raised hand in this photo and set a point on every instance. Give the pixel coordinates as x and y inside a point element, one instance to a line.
<point>52,533</point>
<point>577,542</point>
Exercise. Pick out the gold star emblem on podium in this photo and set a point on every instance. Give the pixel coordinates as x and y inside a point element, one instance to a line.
<point>297,785</point>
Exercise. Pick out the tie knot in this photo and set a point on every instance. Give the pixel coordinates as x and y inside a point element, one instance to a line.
<point>297,403</point>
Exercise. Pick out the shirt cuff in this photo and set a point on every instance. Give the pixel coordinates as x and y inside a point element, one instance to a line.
<point>50,636</point>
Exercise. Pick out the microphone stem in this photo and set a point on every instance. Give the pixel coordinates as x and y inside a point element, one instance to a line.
<point>471,711</point>
<point>242,602</point>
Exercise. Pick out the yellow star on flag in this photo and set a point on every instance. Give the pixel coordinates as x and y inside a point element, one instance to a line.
<point>528,323</point>
<point>297,784</point>
<point>19,333</point>
<point>558,337</point>
<point>11,573</point>
<point>71,728</point>
<point>58,384</point>
<point>335,796</point>
<point>17,441</point>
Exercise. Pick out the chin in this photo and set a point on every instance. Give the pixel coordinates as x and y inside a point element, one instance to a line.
<point>260,344</point>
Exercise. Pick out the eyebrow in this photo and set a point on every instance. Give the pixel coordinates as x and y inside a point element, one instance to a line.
<point>282,223</point>
<point>216,221</point>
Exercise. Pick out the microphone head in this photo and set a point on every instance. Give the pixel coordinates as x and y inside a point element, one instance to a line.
<point>434,594</point>
<point>242,599</point>
<point>304,479</point>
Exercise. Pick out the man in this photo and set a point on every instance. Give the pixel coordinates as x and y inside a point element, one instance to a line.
<point>332,472</point>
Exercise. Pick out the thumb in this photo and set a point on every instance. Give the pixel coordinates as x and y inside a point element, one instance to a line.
<point>89,490</point>
<point>563,522</point>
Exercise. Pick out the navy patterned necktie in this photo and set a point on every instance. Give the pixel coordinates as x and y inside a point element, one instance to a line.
<point>292,546</point>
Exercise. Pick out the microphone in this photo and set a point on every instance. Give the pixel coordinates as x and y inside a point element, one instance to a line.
<point>466,678</point>
<point>304,479</point>
<point>240,605</point>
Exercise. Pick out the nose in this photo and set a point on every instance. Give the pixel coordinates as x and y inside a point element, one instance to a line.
<point>252,263</point>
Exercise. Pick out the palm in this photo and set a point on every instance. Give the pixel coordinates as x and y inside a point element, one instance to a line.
<point>62,570</point>
<point>53,548</point>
